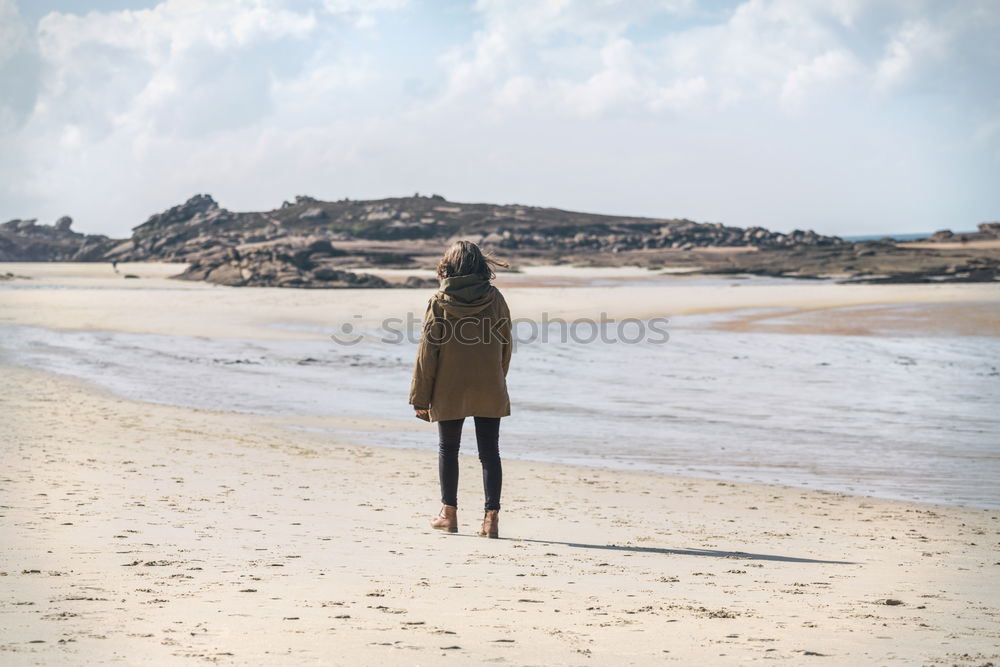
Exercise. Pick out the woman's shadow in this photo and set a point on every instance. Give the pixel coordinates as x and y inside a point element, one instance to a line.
<point>709,553</point>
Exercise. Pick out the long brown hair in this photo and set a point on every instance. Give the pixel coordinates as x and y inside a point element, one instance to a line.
<point>465,257</point>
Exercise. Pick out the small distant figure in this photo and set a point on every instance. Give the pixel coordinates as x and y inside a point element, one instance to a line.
<point>461,371</point>
<point>114,265</point>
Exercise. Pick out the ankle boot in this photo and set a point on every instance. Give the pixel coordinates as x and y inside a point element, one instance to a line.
<point>491,524</point>
<point>447,519</point>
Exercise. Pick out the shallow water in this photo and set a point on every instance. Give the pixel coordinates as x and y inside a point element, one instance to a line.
<point>909,418</point>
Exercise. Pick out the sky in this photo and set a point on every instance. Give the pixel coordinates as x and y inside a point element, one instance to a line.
<point>844,116</point>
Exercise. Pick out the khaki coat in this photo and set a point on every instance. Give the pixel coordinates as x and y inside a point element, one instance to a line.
<point>464,352</point>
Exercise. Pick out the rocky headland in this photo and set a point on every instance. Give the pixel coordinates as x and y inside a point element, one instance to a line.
<point>310,243</point>
<point>27,241</point>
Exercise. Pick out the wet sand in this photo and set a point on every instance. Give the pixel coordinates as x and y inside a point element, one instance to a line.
<point>965,318</point>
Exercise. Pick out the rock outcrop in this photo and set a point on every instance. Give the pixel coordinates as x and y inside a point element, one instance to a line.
<point>987,231</point>
<point>323,244</point>
<point>200,227</point>
<point>27,241</point>
<point>283,265</point>
<point>314,243</point>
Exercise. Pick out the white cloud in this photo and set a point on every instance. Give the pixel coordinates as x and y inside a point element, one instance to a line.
<point>824,69</point>
<point>580,47</point>
<point>171,25</point>
<point>19,68</point>
<point>182,67</point>
<point>615,86</point>
<point>683,94</point>
<point>516,92</point>
<point>128,112</point>
<point>13,31</point>
<point>780,51</point>
<point>913,45</point>
<point>362,13</point>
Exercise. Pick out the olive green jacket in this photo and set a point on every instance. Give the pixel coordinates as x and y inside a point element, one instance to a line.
<point>464,352</point>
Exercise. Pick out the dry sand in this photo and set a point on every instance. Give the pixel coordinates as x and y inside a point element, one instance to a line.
<point>147,534</point>
<point>142,534</point>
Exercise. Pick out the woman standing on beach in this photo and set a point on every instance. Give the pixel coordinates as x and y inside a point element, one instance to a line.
<point>461,371</point>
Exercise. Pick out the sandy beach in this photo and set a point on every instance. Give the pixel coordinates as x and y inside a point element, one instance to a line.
<point>702,295</point>
<point>144,533</point>
<point>147,534</point>
<point>92,296</point>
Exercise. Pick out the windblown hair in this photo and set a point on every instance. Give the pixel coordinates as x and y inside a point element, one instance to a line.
<point>465,257</point>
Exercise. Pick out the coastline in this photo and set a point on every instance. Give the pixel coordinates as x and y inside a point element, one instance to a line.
<point>140,529</point>
<point>92,297</point>
<point>740,393</point>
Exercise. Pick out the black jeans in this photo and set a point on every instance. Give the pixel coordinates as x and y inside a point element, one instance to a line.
<point>488,440</point>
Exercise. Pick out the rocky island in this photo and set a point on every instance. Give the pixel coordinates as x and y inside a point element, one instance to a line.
<point>310,243</point>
